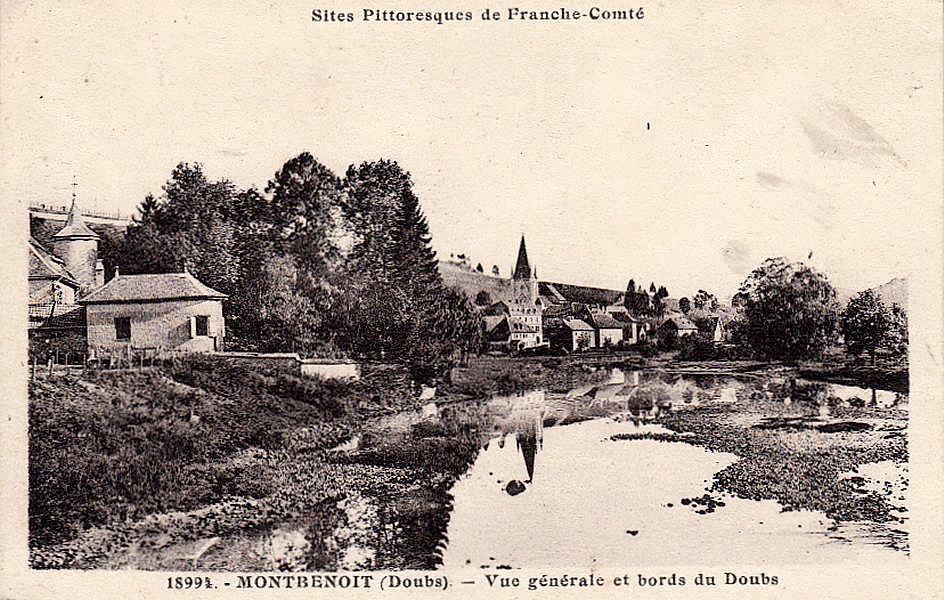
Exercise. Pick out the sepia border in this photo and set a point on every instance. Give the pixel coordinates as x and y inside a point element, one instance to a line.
<point>923,579</point>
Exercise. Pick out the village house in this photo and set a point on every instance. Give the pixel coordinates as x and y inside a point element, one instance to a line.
<point>497,332</point>
<point>676,326</point>
<point>570,334</point>
<point>608,331</point>
<point>63,267</point>
<point>158,312</point>
<point>65,271</point>
<point>631,325</point>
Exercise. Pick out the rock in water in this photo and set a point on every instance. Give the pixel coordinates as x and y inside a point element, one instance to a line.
<point>514,487</point>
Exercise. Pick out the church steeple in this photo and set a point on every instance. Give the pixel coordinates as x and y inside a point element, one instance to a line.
<point>522,266</point>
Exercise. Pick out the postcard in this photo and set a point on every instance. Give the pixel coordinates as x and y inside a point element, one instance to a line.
<point>511,300</point>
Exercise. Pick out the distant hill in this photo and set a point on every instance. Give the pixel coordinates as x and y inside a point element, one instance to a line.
<point>894,292</point>
<point>891,292</point>
<point>471,282</point>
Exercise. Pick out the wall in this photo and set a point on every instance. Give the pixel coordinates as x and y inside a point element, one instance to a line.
<point>330,369</point>
<point>155,325</point>
<point>283,361</point>
<point>587,335</point>
<point>80,256</point>
<point>613,336</point>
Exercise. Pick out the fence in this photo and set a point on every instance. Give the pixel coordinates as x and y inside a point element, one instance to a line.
<point>55,362</point>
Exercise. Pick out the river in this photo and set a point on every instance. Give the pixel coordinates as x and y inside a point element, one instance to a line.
<point>537,479</point>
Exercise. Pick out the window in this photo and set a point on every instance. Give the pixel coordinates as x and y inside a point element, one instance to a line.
<point>202,323</point>
<point>123,328</point>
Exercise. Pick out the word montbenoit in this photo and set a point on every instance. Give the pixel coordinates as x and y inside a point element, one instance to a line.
<point>319,15</point>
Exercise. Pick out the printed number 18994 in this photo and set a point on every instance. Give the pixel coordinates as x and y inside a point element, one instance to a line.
<point>189,583</point>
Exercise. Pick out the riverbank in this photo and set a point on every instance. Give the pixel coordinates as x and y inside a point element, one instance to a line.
<point>129,467</point>
<point>207,464</point>
<point>806,449</point>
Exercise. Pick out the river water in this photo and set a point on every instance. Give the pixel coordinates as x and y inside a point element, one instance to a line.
<point>536,479</point>
<point>590,501</point>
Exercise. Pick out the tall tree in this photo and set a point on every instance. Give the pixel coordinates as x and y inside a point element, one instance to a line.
<point>187,227</point>
<point>790,310</point>
<point>897,339</point>
<point>304,210</point>
<point>866,324</point>
<point>705,301</point>
<point>685,305</point>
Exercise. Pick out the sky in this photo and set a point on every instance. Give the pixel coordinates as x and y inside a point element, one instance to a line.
<point>682,149</point>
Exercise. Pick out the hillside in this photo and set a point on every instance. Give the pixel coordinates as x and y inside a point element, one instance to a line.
<point>891,292</point>
<point>894,292</point>
<point>471,282</point>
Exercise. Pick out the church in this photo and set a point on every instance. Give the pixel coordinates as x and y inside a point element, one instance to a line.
<point>520,306</point>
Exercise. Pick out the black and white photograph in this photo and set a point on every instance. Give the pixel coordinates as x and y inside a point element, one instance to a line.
<point>574,301</point>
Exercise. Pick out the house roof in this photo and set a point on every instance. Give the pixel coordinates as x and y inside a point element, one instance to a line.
<point>557,310</point>
<point>576,325</point>
<point>498,330</point>
<point>679,321</point>
<point>45,265</point>
<point>492,321</point>
<point>621,314</point>
<point>604,321</point>
<point>75,226</point>
<point>578,293</point>
<point>152,287</point>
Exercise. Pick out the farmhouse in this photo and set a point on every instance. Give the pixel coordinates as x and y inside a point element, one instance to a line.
<point>163,311</point>
<point>607,330</point>
<point>676,326</point>
<point>570,334</point>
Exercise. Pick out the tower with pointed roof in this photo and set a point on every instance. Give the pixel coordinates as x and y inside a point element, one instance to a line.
<point>524,307</point>
<point>77,245</point>
<point>524,278</point>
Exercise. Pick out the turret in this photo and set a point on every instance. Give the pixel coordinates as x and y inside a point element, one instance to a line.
<point>77,246</point>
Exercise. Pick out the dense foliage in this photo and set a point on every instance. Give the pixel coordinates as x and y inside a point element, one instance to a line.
<point>790,310</point>
<point>868,324</point>
<point>315,264</point>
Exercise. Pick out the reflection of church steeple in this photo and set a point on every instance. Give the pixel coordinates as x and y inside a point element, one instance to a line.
<point>527,443</point>
<point>528,440</point>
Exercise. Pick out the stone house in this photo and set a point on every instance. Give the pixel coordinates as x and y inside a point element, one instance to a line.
<point>570,334</point>
<point>607,330</point>
<point>676,326</point>
<point>159,312</point>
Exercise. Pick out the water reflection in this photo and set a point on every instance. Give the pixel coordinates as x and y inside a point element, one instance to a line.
<point>468,493</point>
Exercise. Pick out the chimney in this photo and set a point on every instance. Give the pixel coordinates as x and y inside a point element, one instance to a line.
<point>99,273</point>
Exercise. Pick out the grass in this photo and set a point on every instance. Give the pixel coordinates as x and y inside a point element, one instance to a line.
<point>121,445</point>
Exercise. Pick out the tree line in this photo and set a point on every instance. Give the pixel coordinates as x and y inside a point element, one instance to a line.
<point>313,263</point>
<point>790,311</point>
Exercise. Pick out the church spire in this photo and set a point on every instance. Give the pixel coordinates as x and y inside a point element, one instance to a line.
<point>522,267</point>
